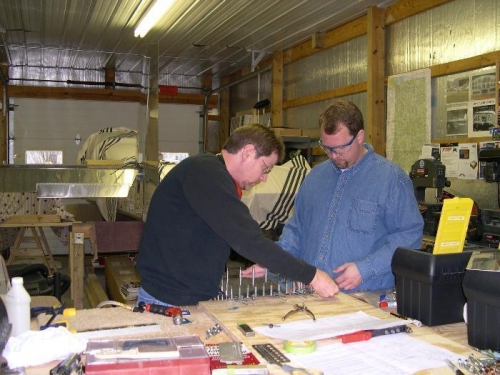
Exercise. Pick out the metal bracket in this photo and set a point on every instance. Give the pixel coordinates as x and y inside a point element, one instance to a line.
<point>257,60</point>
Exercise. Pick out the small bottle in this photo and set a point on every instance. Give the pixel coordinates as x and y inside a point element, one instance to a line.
<point>17,303</point>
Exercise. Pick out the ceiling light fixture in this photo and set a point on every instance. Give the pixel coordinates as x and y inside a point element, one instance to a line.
<point>157,9</point>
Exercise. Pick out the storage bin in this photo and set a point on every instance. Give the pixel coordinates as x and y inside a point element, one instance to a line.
<point>429,287</point>
<point>482,291</point>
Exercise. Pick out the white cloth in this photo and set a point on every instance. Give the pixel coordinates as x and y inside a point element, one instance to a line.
<point>33,348</point>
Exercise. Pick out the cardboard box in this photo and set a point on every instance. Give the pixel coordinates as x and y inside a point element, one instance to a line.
<point>120,270</point>
<point>287,132</point>
<point>429,287</point>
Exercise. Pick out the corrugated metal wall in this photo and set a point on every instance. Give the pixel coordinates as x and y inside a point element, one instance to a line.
<point>335,67</point>
<point>340,66</point>
<point>454,31</point>
<point>244,96</point>
<point>307,116</point>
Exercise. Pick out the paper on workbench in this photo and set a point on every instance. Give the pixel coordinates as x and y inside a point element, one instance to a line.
<point>398,354</point>
<point>323,328</point>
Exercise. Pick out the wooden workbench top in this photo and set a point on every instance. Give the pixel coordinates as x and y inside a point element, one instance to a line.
<point>20,221</point>
<point>270,310</point>
<point>259,312</point>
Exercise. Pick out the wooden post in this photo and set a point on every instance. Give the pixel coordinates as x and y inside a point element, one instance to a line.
<point>224,123</point>
<point>79,232</point>
<point>110,77</point>
<point>277,90</point>
<point>375,111</point>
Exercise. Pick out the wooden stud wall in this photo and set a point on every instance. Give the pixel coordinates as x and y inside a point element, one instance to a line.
<point>371,24</point>
<point>375,119</point>
<point>3,135</point>
<point>277,90</point>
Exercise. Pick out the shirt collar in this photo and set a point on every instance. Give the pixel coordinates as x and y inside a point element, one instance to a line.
<point>353,168</point>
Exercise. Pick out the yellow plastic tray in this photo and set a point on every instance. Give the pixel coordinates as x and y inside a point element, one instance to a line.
<point>453,225</point>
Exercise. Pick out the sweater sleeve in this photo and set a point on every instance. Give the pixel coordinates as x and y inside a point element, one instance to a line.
<point>212,194</point>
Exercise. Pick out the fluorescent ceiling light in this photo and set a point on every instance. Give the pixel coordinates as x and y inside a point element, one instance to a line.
<point>157,9</point>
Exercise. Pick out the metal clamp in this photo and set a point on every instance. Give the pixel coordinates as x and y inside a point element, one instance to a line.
<point>297,308</point>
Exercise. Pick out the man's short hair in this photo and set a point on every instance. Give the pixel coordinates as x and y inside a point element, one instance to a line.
<point>261,137</point>
<point>341,112</point>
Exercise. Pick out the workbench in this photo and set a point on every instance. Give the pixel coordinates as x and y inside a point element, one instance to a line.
<point>258,312</point>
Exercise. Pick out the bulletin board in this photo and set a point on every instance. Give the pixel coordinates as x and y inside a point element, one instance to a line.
<point>408,116</point>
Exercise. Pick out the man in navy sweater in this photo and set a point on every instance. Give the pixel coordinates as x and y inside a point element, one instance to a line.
<point>195,217</point>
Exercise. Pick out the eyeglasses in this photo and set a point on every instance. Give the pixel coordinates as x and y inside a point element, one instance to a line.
<point>267,169</point>
<point>337,150</point>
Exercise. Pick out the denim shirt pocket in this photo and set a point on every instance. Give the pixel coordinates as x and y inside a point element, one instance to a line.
<point>363,216</point>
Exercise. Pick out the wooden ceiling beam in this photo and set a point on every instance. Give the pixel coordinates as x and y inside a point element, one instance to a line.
<point>42,92</point>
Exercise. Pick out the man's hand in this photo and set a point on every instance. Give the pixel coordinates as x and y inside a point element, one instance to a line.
<point>324,285</point>
<point>254,271</point>
<point>350,277</point>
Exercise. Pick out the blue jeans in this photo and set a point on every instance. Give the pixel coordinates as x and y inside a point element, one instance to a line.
<point>149,299</point>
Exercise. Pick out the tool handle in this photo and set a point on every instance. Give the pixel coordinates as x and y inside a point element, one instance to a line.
<point>356,336</point>
<point>174,312</point>
<point>156,309</point>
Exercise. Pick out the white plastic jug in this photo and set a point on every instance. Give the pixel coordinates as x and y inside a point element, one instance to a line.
<point>17,302</point>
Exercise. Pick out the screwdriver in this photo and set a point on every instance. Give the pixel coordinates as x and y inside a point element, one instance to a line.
<point>368,334</point>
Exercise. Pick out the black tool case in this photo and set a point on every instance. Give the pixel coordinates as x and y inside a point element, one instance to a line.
<point>482,290</point>
<point>429,287</point>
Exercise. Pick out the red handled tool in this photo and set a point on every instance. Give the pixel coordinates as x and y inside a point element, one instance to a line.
<point>368,334</point>
<point>174,312</point>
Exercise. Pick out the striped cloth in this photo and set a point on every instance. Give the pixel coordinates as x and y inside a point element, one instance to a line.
<point>271,203</point>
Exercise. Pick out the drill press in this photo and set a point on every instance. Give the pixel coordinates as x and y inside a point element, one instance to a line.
<point>429,173</point>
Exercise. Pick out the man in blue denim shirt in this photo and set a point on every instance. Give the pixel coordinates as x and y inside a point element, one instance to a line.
<point>354,210</point>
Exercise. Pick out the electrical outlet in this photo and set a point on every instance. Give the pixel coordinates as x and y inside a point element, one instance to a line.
<point>78,238</point>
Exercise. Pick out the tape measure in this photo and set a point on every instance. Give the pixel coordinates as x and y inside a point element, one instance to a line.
<point>299,347</point>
